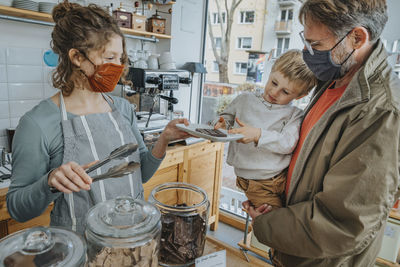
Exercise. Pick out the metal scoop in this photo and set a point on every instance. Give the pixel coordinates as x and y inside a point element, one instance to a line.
<point>118,153</point>
<point>113,172</point>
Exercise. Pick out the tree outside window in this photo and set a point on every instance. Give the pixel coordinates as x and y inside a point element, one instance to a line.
<point>246,17</point>
<point>244,42</point>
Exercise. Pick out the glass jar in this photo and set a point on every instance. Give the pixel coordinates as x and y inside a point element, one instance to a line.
<point>184,216</point>
<point>41,246</point>
<point>123,232</point>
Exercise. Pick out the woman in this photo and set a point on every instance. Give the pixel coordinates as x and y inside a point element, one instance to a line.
<point>79,125</point>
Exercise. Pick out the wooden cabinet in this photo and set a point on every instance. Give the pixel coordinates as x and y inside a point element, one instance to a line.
<point>199,164</point>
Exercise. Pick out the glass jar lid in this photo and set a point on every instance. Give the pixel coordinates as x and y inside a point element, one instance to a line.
<point>123,217</point>
<point>42,246</point>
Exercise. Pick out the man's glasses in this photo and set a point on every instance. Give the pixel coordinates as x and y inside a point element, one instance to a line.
<point>309,45</point>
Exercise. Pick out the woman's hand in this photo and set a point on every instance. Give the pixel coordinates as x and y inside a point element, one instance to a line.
<point>70,177</point>
<point>220,124</point>
<point>251,134</point>
<point>172,133</point>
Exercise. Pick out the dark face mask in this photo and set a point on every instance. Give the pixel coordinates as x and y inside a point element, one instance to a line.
<point>322,65</point>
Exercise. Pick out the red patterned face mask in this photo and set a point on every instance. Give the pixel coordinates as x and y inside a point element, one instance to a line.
<point>105,77</point>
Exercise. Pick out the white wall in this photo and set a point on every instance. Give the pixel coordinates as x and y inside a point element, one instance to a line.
<point>186,46</point>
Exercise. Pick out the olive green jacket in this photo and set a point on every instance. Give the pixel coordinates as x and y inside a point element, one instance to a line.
<point>345,178</point>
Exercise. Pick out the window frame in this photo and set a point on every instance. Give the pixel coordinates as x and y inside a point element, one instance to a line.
<point>244,17</point>
<point>239,40</point>
<point>213,69</point>
<point>220,42</point>
<point>241,68</point>
<point>287,10</point>
<point>214,19</point>
<point>283,49</point>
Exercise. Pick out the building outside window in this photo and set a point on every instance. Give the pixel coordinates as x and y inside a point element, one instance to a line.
<point>282,46</point>
<point>244,42</point>
<point>241,68</point>
<point>216,18</point>
<point>246,17</point>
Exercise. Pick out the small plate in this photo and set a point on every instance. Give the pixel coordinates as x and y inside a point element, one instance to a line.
<point>192,130</point>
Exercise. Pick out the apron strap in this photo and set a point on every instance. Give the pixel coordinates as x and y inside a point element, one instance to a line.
<point>109,101</point>
<point>63,109</point>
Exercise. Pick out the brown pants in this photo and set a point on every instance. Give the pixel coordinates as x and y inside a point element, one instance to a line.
<point>268,191</point>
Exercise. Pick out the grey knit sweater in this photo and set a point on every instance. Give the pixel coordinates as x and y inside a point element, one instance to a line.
<point>280,126</point>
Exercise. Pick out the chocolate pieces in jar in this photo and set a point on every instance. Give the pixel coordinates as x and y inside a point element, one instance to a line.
<point>182,238</point>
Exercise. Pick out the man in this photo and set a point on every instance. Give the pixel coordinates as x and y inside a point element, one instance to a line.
<point>343,177</point>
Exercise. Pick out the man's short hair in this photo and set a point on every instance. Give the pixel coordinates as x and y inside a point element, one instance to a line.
<point>340,16</point>
<point>293,67</point>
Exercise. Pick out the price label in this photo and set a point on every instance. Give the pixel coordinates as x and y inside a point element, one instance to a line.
<point>216,259</point>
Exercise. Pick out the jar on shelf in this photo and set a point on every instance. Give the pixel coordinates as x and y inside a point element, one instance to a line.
<point>184,215</point>
<point>123,232</point>
<point>42,246</point>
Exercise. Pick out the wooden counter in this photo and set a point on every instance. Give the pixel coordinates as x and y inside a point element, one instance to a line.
<point>234,257</point>
<point>199,164</point>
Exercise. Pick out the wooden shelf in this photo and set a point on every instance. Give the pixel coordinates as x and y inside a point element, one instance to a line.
<point>144,33</point>
<point>27,14</point>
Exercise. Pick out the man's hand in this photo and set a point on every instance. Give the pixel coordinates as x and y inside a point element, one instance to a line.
<point>265,208</point>
<point>251,134</point>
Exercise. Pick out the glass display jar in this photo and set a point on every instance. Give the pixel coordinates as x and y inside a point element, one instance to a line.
<point>41,246</point>
<point>184,216</point>
<point>123,232</point>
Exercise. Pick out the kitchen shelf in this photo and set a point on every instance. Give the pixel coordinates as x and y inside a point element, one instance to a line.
<point>33,15</point>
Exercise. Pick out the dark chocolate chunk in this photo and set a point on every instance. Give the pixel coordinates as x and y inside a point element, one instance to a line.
<point>212,132</point>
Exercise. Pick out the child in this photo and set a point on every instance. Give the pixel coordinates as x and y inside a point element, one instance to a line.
<point>270,125</point>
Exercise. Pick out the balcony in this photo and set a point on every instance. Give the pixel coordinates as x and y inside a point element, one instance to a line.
<point>286,3</point>
<point>283,27</point>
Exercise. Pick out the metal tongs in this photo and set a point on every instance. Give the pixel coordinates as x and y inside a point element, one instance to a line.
<point>118,171</point>
<point>118,153</point>
<point>115,171</point>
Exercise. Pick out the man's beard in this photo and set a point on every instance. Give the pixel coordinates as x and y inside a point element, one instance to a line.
<point>340,55</point>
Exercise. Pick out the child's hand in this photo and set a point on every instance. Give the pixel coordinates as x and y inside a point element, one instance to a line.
<point>251,134</point>
<point>220,124</point>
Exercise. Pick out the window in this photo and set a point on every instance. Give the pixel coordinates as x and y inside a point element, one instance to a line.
<point>215,18</point>
<point>217,41</point>
<point>240,68</point>
<point>244,42</point>
<point>282,47</point>
<point>246,17</point>
<point>286,14</point>
<point>215,67</point>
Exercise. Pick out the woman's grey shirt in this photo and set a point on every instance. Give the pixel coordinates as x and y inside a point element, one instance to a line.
<point>38,148</point>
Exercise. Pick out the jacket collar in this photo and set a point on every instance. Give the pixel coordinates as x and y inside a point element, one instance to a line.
<point>357,91</point>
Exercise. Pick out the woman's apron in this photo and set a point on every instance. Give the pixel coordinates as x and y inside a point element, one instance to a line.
<point>86,139</point>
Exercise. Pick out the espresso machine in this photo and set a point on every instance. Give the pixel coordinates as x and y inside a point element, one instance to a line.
<point>153,91</point>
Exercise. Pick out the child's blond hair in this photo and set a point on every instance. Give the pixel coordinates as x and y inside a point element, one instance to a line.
<point>293,67</point>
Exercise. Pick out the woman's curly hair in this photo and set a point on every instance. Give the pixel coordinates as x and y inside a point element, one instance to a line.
<point>83,28</point>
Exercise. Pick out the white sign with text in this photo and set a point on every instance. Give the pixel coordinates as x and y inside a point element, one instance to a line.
<point>216,259</point>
